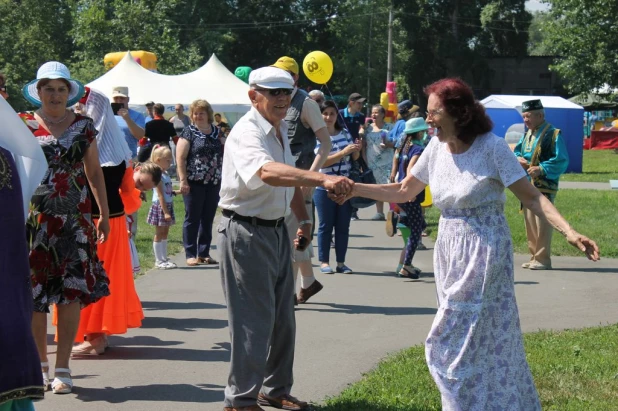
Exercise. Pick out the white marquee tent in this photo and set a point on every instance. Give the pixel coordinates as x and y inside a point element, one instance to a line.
<point>212,82</point>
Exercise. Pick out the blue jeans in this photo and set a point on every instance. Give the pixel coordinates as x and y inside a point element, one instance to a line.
<point>200,208</point>
<point>332,216</point>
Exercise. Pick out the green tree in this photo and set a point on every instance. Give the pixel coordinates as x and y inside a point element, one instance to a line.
<point>585,34</point>
<point>537,46</point>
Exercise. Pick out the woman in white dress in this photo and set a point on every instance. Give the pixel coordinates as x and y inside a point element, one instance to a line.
<point>474,350</point>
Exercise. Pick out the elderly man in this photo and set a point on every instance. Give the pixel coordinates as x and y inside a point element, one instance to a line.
<point>317,96</point>
<point>305,125</point>
<point>406,110</point>
<point>543,154</point>
<point>256,269</point>
<point>131,122</point>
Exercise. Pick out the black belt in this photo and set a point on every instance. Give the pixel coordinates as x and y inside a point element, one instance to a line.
<point>253,220</point>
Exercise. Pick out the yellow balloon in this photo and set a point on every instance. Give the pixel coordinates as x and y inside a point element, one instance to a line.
<point>318,67</point>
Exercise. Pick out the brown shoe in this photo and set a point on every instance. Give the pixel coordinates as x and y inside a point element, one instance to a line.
<point>306,293</point>
<point>285,402</point>
<point>249,408</point>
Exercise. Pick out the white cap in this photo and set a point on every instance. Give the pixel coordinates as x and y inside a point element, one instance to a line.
<point>271,77</point>
<point>120,91</point>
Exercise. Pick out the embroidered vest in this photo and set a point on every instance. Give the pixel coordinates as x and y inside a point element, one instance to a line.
<point>302,139</point>
<point>544,150</point>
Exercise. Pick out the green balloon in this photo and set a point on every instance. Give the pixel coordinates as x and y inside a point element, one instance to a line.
<point>242,73</point>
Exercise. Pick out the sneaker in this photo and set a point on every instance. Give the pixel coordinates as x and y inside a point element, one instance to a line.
<point>162,266</point>
<point>527,265</point>
<point>391,223</point>
<point>170,264</point>
<point>535,265</point>
<point>306,293</point>
<point>420,246</point>
<point>378,217</point>
<point>326,270</point>
<point>344,269</point>
<point>354,216</point>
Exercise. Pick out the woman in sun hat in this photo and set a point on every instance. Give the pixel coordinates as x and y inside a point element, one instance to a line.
<point>65,270</point>
<point>407,153</point>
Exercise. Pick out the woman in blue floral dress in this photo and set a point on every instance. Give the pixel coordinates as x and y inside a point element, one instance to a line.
<point>65,270</point>
<point>199,156</point>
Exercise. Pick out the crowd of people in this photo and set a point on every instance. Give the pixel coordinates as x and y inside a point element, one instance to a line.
<point>77,171</point>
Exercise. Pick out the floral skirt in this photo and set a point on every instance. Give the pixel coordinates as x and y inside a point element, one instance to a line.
<point>475,350</point>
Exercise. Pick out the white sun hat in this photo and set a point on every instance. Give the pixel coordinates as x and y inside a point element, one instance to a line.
<point>53,70</point>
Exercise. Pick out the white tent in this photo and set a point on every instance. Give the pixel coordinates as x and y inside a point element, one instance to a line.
<point>512,101</point>
<point>212,82</point>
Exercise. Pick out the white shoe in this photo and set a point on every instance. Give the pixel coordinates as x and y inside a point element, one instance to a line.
<point>62,385</point>
<point>170,264</point>
<point>162,266</point>
<point>527,265</point>
<point>535,265</point>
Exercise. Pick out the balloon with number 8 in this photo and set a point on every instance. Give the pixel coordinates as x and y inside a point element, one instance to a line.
<point>318,67</point>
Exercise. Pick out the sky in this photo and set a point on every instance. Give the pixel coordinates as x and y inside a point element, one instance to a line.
<point>536,5</point>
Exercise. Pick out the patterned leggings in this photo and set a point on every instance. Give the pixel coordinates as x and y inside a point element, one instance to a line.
<point>416,223</point>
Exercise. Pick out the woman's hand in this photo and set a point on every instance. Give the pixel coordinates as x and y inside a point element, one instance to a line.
<point>351,148</point>
<point>391,178</point>
<point>102,229</point>
<point>184,187</point>
<point>586,245</point>
<point>167,217</point>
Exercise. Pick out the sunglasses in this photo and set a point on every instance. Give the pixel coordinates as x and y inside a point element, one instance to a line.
<point>276,91</point>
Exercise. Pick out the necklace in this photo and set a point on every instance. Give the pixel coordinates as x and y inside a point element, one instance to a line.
<point>49,121</point>
<point>203,130</point>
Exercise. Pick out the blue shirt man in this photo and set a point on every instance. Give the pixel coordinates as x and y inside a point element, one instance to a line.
<point>352,116</point>
<point>131,122</point>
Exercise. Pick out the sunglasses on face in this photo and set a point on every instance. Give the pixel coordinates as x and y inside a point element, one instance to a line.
<point>276,91</point>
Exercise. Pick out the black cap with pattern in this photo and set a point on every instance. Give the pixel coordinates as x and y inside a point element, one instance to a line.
<point>531,105</point>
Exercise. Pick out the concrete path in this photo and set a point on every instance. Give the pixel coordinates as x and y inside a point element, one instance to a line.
<point>585,185</point>
<point>178,360</point>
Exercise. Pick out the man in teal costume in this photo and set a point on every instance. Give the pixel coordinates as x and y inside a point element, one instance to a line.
<point>543,154</point>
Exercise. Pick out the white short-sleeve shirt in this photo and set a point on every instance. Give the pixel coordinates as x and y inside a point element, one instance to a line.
<point>252,143</point>
<point>472,179</point>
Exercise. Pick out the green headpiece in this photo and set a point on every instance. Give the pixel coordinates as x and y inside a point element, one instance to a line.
<point>531,105</point>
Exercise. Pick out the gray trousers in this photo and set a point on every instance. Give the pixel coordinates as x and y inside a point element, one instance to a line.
<point>256,274</point>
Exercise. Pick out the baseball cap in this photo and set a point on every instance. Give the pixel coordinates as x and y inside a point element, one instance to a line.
<point>271,77</point>
<point>406,106</point>
<point>120,91</point>
<point>356,97</point>
<point>287,63</point>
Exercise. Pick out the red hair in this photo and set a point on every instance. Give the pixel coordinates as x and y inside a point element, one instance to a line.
<point>458,101</point>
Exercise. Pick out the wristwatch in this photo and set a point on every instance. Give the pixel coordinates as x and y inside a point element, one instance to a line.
<point>303,222</point>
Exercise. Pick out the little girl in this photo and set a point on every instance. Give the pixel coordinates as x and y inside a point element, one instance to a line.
<point>161,213</point>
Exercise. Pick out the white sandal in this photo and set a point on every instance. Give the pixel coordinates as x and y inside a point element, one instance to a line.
<point>45,376</point>
<point>59,381</point>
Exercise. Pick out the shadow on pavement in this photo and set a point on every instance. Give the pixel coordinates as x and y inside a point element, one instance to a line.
<point>155,392</point>
<point>141,340</point>
<point>591,269</point>
<point>376,248</point>
<point>159,353</point>
<point>526,283</point>
<point>366,309</point>
<point>162,305</point>
<point>182,324</point>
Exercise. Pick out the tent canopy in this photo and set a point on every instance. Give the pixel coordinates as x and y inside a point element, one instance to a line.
<point>592,101</point>
<point>505,110</point>
<point>212,82</point>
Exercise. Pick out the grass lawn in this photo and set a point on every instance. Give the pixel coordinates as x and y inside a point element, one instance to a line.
<point>591,212</point>
<point>574,370</point>
<point>145,233</point>
<point>598,165</point>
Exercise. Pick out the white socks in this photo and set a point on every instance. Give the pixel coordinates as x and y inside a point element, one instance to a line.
<point>305,282</point>
<point>160,251</point>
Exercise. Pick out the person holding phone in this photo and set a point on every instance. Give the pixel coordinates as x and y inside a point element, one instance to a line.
<point>260,184</point>
<point>131,122</point>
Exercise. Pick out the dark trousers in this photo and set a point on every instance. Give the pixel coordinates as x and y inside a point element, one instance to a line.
<point>416,223</point>
<point>200,208</point>
<point>332,216</point>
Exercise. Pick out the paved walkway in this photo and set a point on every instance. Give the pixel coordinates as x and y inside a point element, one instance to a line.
<point>585,185</point>
<point>179,359</point>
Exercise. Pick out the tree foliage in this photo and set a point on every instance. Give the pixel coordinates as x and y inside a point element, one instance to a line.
<point>431,38</point>
<point>585,34</point>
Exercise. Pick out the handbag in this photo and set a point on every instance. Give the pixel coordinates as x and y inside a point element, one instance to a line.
<point>361,173</point>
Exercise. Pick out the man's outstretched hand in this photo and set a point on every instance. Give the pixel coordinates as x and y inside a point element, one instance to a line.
<point>338,184</point>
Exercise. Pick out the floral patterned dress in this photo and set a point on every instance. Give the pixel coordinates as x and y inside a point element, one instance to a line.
<point>379,159</point>
<point>475,350</point>
<point>205,158</point>
<point>63,260</point>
